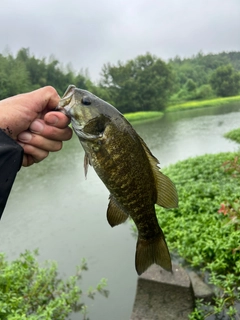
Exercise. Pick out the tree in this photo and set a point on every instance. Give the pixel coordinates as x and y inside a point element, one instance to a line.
<point>36,68</point>
<point>31,291</point>
<point>144,83</point>
<point>190,85</point>
<point>225,81</point>
<point>13,77</point>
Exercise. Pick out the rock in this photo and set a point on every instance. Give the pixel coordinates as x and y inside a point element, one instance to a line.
<point>201,290</point>
<point>162,295</point>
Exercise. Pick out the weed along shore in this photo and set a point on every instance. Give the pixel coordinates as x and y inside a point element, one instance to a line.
<point>203,103</point>
<point>205,228</point>
<point>141,116</point>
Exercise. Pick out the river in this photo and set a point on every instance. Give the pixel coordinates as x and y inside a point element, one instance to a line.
<point>54,208</point>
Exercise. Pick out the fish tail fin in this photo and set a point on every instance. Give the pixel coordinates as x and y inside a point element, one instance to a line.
<point>152,251</point>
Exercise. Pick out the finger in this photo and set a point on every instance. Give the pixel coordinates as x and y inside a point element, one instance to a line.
<point>57,119</point>
<point>28,160</point>
<point>46,97</point>
<point>41,128</point>
<point>33,155</point>
<point>39,141</point>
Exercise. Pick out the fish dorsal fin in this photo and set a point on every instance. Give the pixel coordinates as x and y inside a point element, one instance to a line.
<point>115,214</point>
<point>166,191</point>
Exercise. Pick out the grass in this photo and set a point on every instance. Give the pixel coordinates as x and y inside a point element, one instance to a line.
<point>203,103</point>
<point>140,116</point>
<point>143,116</point>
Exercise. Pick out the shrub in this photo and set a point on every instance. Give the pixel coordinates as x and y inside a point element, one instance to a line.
<point>28,291</point>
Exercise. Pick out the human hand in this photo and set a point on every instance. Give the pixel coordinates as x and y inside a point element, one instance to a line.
<point>27,119</point>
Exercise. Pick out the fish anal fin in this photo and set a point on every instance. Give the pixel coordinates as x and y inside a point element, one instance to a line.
<point>166,191</point>
<point>152,251</point>
<point>115,214</point>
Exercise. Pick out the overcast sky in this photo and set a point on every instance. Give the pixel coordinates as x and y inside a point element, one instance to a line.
<point>88,33</point>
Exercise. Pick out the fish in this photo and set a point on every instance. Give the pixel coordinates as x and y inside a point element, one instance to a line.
<point>128,169</point>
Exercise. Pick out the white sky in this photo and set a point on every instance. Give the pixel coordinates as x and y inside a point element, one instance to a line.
<point>88,33</point>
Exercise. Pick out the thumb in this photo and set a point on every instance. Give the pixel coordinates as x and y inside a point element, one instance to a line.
<point>56,119</point>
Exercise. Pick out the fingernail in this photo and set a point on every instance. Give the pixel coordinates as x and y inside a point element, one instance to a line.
<point>52,120</point>
<point>36,126</point>
<point>25,136</point>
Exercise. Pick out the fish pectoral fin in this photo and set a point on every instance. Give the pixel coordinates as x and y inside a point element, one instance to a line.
<point>166,191</point>
<point>86,164</point>
<point>115,214</point>
<point>152,251</point>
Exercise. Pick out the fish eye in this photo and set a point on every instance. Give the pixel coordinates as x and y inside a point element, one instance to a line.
<point>86,100</point>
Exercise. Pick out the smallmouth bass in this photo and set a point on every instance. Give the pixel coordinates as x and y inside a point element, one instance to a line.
<point>128,169</point>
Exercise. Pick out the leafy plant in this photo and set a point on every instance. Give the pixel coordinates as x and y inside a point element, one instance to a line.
<point>231,211</point>
<point>201,235</point>
<point>233,135</point>
<point>28,291</point>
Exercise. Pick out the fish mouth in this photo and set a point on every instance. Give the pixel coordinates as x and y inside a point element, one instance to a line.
<point>64,103</point>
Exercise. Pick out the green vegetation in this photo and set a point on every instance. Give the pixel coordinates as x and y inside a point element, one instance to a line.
<point>205,229</point>
<point>145,83</point>
<point>25,72</point>
<point>28,291</point>
<point>225,81</point>
<point>141,84</point>
<point>143,116</point>
<point>204,103</point>
<point>233,135</point>
<point>205,76</point>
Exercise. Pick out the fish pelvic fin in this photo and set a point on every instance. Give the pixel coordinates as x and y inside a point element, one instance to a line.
<point>152,251</point>
<point>166,191</point>
<point>115,214</point>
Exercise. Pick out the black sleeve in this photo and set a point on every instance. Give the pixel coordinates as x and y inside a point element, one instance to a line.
<point>11,155</point>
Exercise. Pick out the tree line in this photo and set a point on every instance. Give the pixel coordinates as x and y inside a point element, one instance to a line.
<point>145,83</point>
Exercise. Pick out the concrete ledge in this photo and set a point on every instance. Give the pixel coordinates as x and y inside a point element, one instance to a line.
<point>162,295</point>
<point>201,290</point>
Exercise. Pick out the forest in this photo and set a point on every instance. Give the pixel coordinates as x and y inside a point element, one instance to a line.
<point>145,83</point>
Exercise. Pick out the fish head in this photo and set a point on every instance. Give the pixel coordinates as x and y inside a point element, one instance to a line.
<point>89,114</point>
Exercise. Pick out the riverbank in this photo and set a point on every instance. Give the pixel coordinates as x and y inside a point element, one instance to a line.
<point>202,103</point>
<point>134,117</point>
<point>143,116</point>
